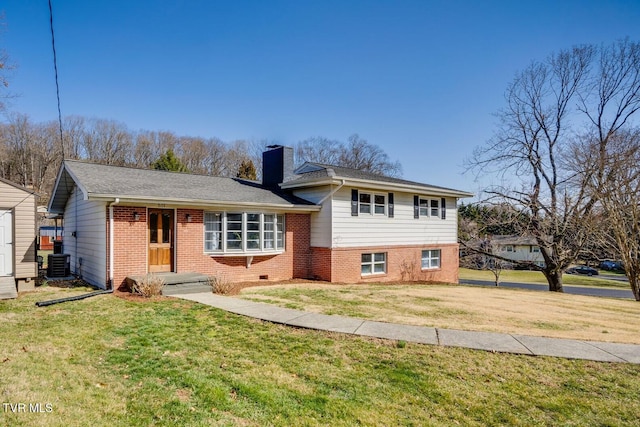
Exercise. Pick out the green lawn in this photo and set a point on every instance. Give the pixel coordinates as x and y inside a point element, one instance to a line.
<point>523,276</point>
<point>105,361</point>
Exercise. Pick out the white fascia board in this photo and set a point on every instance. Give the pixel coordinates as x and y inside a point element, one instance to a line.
<point>64,174</point>
<point>380,185</point>
<point>203,203</point>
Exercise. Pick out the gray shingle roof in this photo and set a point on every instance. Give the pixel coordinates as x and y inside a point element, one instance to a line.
<point>124,182</point>
<point>324,172</point>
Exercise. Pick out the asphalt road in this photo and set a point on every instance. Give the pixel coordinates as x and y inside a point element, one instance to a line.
<point>576,290</point>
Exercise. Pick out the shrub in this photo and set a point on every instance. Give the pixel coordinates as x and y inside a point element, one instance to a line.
<point>220,285</point>
<point>150,285</point>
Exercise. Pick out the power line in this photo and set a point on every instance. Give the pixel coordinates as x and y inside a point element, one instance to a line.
<point>55,68</point>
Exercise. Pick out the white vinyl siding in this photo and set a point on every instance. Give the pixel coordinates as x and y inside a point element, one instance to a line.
<point>22,206</point>
<point>378,230</point>
<point>88,220</point>
<point>525,253</point>
<point>321,222</point>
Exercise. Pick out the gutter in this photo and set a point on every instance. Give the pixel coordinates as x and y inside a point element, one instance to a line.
<point>382,185</point>
<point>111,240</point>
<point>202,203</point>
<point>332,192</point>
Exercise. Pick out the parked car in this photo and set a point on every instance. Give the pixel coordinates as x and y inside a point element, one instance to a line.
<point>582,269</point>
<point>611,265</point>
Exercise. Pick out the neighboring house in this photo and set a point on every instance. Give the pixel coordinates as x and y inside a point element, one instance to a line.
<point>18,266</point>
<point>319,221</point>
<point>47,234</point>
<point>518,248</point>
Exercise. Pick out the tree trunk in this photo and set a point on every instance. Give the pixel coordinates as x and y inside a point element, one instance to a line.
<point>634,281</point>
<point>554,278</point>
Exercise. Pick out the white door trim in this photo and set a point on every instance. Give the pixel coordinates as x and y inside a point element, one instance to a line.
<point>6,243</point>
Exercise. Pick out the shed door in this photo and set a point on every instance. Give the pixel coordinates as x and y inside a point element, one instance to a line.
<point>6,243</point>
<point>161,240</point>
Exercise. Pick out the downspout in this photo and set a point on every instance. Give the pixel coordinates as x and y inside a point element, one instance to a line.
<point>111,240</point>
<point>334,191</point>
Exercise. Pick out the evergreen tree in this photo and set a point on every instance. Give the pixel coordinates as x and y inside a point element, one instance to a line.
<point>247,170</point>
<point>169,162</point>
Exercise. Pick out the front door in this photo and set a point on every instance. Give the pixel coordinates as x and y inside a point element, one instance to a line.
<point>161,240</point>
<point>6,242</point>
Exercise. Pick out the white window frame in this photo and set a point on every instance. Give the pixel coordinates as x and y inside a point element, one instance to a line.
<point>278,233</point>
<point>428,207</point>
<point>372,263</point>
<point>435,208</point>
<point>423,211</point>
<point>371,207</point>
<point>428,258</point>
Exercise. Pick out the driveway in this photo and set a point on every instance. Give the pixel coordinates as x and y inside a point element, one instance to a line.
<point>575,290</point>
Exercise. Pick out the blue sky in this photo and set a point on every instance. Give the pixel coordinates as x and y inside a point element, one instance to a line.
<point>421,79</point>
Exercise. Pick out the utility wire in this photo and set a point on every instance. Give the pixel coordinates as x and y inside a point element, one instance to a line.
<point>55,68</point>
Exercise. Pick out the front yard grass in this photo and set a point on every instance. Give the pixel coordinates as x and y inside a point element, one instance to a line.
<point>470,308</point>
<point>105,361</point>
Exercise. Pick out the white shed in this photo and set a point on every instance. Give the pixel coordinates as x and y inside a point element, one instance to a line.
<point>18,265</point>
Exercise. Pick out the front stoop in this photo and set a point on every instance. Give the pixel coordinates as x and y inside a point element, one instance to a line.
<point>8,287</point>
<point>179,283</point>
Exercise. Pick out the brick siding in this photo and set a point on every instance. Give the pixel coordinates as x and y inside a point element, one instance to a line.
<point>299,260</point>
<point>343,265</point>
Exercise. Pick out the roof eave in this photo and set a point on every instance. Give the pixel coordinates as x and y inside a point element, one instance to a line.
<point>379,185</point>
<point>199,202</point>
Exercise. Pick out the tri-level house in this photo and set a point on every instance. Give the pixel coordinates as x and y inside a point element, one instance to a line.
<point>317,221</point>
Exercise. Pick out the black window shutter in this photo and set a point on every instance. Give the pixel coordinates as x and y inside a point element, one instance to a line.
<point>416,206</point>
<point>443,208</point>
<point>390,210</point>
<point>354,202</point>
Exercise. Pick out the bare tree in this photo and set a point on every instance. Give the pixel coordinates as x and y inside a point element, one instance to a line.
<point>5,71</point>
<point>357,153</point>
<point>108,142</point>
<point>616,184</point>
<point>526,151</point>
<point>318,150</point>
<point>360,154</point>
<point>18,136</point>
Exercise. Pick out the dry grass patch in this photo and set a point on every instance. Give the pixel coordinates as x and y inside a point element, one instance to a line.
<point>469,308</point>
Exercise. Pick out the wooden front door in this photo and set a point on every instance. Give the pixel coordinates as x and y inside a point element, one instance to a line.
<point>161,240</point>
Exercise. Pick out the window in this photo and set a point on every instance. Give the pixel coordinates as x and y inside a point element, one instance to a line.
<point>365,203</point>
<point>435,207</point>
<point>373,264</point>
<point>279,231</point>
<point>234,231</point>
<point>243,232</point>
<point>535,248</point>
<point>253,232</point>
<point>430,259</point>
<point>507,248</point>
<point>268,239</point>
<point>424,207</point>
<point>379,204</point>
<point>212,232</point>
<point>371,203</point>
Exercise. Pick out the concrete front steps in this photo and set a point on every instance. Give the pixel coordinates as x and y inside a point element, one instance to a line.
<point>179,283</point>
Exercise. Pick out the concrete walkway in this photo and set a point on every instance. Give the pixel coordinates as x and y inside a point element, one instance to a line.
<point>489,341</point>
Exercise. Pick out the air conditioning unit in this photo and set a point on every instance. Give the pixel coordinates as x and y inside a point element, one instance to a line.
<point>59,265</point>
